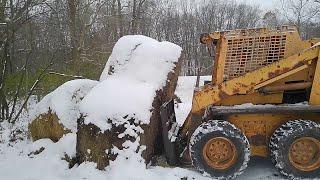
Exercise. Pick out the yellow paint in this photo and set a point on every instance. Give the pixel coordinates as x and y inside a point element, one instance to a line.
<point>315,91</point>
<point>254,98</point>
<point>219,67</point>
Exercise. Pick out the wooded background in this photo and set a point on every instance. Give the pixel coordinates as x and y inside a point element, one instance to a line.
<point>44,43</point>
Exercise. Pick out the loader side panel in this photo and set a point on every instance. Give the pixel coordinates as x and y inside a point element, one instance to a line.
<point>247,83</point>
<point>258,128</point>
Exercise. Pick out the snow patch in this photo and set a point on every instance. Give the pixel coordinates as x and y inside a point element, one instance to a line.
<point>118,99</point>
<point>64,101</point>
<point>142,58</point>
<point>317,44</point>
<point>250,105</point>
<point>37,160</point>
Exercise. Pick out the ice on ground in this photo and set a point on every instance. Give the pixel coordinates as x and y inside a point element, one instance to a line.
<point>185,90</point>
<point>64,101</point>
<point>136,69</point>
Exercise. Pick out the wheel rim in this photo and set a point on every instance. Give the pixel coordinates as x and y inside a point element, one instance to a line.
<point>220,153</point>
<point>304,154</point>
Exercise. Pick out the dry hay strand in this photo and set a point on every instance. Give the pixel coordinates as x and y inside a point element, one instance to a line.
<point>92,144</point>
<point>47,126</point>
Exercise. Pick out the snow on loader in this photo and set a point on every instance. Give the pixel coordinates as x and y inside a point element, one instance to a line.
<point>264,100</point>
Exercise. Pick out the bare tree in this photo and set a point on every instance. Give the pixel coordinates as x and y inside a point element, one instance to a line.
<point>13,16</point>
<point>300,12</point>
<point>271,19</point>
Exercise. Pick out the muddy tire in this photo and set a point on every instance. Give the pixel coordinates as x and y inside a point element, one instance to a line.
<point>295,149</point>
<point>219,149</point>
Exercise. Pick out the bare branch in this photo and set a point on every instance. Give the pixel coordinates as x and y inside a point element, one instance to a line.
<point>24,68</point>
<point>39,79</point>
<point>66,75</point>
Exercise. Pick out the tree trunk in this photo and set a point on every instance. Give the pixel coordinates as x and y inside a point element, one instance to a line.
<point>72,12</point>
<point>120,21</point>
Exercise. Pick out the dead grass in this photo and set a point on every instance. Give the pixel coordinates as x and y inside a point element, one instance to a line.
<point>47,126</point>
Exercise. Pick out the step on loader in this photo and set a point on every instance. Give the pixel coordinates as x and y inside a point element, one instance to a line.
<point>264,100</point>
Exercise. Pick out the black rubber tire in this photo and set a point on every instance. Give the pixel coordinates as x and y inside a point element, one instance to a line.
<point>281,141</point>
<point>217,128</point>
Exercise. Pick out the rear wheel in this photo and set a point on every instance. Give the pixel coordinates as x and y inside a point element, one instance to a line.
<point>219,149</point>
<point>295,149</point>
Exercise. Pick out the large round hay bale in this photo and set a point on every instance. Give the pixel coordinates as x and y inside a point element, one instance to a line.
<point>57,113</point>
<point>124,109</point>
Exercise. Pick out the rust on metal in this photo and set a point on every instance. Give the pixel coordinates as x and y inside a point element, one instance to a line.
<point>304,154</point>
<point>236,91</point>
<point>223,95</point>
<point>277,72</point>
<point>298,65</point>
<point>285,87</point>
<point>257,140</point>
<point>220,153</point>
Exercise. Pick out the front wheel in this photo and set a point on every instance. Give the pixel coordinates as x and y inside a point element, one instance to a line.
<point>219,149</point>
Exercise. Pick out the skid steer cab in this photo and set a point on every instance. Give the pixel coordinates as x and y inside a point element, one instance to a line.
<point>264,100</point>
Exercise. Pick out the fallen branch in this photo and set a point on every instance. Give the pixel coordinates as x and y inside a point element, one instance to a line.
<point>67,75</point>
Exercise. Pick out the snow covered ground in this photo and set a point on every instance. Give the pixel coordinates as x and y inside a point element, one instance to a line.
<point>27,160</point>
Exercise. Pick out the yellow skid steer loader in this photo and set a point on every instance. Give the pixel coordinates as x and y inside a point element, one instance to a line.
<point>264,100</point>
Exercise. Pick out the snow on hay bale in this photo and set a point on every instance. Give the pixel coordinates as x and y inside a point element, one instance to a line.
<point>57,113</point>
<point>120,116</point>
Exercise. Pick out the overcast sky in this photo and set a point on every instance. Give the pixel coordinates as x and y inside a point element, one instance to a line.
<point>264,4</point>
